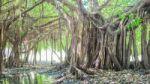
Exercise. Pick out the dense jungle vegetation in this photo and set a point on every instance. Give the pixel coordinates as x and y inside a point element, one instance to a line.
<point>94,34</point>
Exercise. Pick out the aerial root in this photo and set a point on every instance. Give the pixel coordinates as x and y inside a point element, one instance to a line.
<point>59,80</point>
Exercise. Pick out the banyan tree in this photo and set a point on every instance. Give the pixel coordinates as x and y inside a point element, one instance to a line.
<point>106,43</point>
<point>97,40</point>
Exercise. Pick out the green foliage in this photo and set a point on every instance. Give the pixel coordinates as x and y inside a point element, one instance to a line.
<point>134,21</point>
<point>39,79</point>
<point>25,80</point>
<point>45,12</point>
<point>116,7</point>
<point>42,79</point>
<point>5,81</point>
<point>138,38</point>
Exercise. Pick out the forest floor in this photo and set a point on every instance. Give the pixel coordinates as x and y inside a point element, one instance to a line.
<point>60,75</point>
<point>111,77</point>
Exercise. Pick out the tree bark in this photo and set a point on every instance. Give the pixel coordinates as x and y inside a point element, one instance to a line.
<point>1,62</point>
<point>144,46</point>
<point>128,50</point>
<point>135,51</point>
<point>2,46</point>
<point>148,49</point>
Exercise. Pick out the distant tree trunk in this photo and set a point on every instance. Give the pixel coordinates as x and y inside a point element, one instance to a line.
<point>1,41</point>
<point>1,54</point>
<point>2,47</point>
<point>16,47</point>
<point>35,56</point>
<point>16,55</point>
<point>1,62</point>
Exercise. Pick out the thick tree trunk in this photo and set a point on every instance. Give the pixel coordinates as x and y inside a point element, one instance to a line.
<point>113,54</point>
<point>135,51</point>
<point>124,47</point>
<point>148,49</point>
<point>2,46</point>
<point>144,47</point>
<point>1,62</point>
<point>128,50</point>
<point>1,40</point>
<point>1,55</point>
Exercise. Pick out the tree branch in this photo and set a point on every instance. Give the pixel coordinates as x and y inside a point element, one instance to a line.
<point>16,17</point>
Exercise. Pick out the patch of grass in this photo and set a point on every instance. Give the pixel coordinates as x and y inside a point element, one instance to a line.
<point>5,81</point>
<point>43,79</point>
